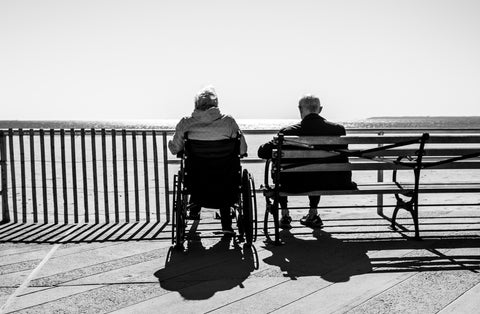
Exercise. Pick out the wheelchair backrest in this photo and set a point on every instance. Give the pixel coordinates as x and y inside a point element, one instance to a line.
<point>213,171</point>
<point>227,148</point>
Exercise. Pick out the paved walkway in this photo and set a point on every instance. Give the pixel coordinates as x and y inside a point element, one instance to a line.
<point>356,264</point>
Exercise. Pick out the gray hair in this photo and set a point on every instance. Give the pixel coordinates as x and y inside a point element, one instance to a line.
<point>206,98</point>
<point>310,102</point>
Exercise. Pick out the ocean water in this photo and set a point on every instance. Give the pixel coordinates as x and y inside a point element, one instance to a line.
<point>252,124</point>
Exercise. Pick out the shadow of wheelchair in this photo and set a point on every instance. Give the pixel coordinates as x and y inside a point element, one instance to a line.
<point>329,258</point>
<point>197,273</point>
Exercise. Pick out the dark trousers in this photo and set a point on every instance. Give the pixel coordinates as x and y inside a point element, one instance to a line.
<point>225,215</point>
<point>225,218</point>
<point>314,200</point>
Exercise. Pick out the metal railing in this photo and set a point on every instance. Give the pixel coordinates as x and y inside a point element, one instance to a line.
<point>83,175</point>
<point>65,176</point>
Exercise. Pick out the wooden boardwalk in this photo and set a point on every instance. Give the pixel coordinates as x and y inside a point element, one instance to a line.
<point>355,264</point>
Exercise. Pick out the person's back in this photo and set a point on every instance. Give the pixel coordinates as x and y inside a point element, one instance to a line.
<point>207,123</point>
<point>312,124</point>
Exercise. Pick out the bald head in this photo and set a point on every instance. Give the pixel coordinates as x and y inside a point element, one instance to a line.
<point>309,104</point>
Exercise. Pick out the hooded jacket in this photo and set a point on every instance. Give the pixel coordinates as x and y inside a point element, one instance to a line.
<point>208,125</point>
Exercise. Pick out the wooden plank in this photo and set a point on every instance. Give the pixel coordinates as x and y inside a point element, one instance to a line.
<point>84,175</point>
<point>22,175</point>
<point>3,166</point>
<point>105,176</point>
<point>454,139</point>
<point>155,169</point>
<point>74,175</point>
<point>343,140</point>
<point>468,302</point>
<point>451,151</point>
<point>33,176</point>
<point>299,154</point>
<point>115,175</point>
<point>64,176</point>
<point>44,176</point>
<point>125,175</point>
<point>166,175</point>
<point>95,179</point>
<point>385,139</point>
<point>54,176</point>
<point>135,176</point>
<point>145,176</point>
<point>456,165</point>
<point>363,166</point>
<point>392,188</point>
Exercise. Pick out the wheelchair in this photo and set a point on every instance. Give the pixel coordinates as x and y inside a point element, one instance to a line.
<point>211,174</point>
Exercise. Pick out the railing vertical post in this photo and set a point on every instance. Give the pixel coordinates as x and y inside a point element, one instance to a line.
<point>125,175</point>
<point>95,179</point>
<point>3,161</point>
<point>105,176</point>
<point>115,174</point>
<point>22,174</point>
<point>12,171</point>
<point>135,175</point>
<point>43,165</point>
<point>54,176</point>
<point>155,169</point>
<point>84,174</point>
<point>33,173</point>
<point>380,179</point>
<point>166,175</point>
<point>145,176</point>
<point>74,175</point>
<point>64,176</point>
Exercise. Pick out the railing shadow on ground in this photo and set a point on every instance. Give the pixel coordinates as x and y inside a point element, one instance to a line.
<point>82,233</point>
<point>197,273</point>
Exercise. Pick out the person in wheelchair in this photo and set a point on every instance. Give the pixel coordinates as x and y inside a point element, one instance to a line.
<point>207,124</point>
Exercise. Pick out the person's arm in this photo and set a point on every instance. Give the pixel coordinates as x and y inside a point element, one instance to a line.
<point>265,150</point>
<point>175,145</point>
<point>243,143</point>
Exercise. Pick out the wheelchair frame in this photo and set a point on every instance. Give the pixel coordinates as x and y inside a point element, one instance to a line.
<point>246,209</point>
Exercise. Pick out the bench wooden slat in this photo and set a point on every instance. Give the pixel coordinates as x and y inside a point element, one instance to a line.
<point>454,139</point>
<point>343,140</point>
<point>387,139</point>
<point>391,188</point>
<point>299,154</point>
<point>347,166</point>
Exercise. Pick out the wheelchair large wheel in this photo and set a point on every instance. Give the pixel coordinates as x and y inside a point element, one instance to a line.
<point>249,212</point>
<point>178,214</point>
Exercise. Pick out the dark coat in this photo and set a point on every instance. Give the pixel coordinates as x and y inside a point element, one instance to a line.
<point>314,125</point>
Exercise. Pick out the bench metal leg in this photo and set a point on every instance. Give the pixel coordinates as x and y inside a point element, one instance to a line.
<point>412,207</point>
<point>272,209</point>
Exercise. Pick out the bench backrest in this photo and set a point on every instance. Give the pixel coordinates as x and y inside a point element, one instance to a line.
<point>452,152</point>
<point>364,152</point>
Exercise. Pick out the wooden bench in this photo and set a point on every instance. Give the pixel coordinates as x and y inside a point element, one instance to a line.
<point>413,153</point>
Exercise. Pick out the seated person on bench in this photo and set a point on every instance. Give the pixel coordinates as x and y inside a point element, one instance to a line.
<point>314,125</point>
<point>208,124</point>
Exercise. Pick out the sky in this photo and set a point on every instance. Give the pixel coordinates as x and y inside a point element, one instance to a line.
<point>146,59</point>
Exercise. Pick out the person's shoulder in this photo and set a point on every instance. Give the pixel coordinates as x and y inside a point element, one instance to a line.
<point>335,126</point>
<point>291,129</point>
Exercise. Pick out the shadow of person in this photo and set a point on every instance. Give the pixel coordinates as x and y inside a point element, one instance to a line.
<point>329,258</point>
<point>199,272</point>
